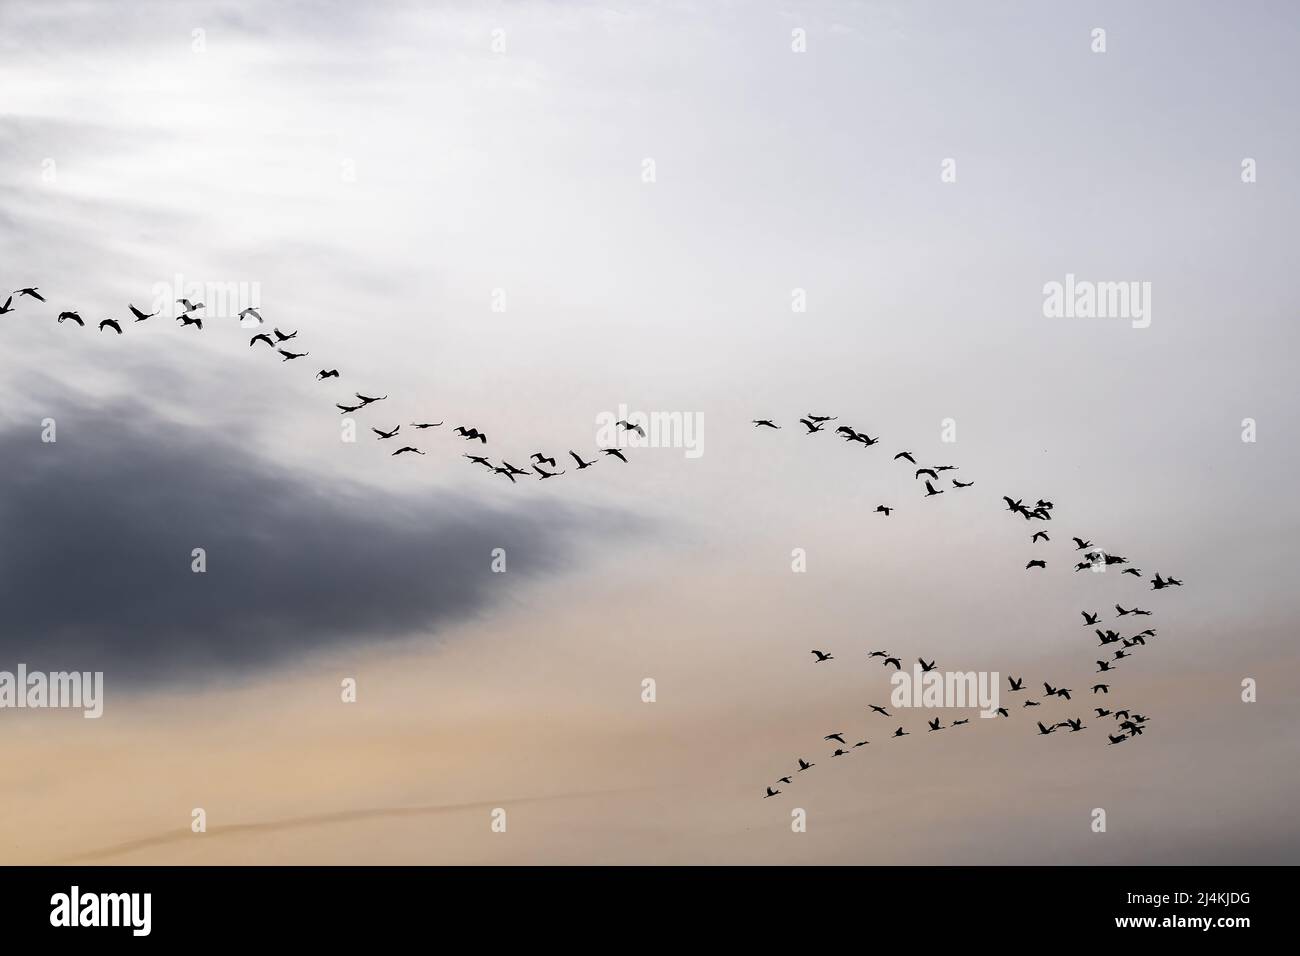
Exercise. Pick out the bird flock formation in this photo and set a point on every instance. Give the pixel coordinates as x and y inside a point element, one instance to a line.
<point>278,341</point>
<point>1128,723</point>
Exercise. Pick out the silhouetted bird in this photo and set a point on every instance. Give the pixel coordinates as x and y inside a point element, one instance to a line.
<point>1089,619</point>
<point>1101,688</point>
<point>139,316</point>
<point>925,668</point>
<point>926,471</point>
<point>541,459</point>
<point>7,307</point>
<point>764,422</point>
<point>187,319</point>
<point>260,337</point>
<point>253,312</point>
<point>812,427</point>
<point>1044,730</point>
<point>1039,534</point>
<point>898,665</point>
<point>30,293</point>
<point>961,484</point>
<point>346,409</point>
<point>383,434</point>
<point>189,306</point>
<point>369,399</point>
<point>290,356</point>
<point>1082,545</point>
<point>479,461</point>
<point>930,490</point>
<point>327,373</point>
<point>837,736</point>
<point>771,793</point>
<point>581,464</point>
<point>406,448</point>
<point>818,654</point>
<point>71,315</point>
<point>900,732</point>
<point>883,510</point>
<point>284,337</point>
<point>616,453</point>
<point>879,710</point>
<point>935,725</point>
<point>907,455</point>
<point>543,475</point>
<point>423,425</point>
<point>804,765</point>
<point>1016,684</point>
<point>1036,563</point>
<point>112,324</point>
<point>629,427</point>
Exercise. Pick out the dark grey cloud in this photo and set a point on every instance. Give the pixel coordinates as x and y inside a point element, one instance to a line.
<point>95,565</point>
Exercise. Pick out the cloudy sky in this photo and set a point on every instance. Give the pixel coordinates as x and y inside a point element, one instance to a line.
<point>528,217</point>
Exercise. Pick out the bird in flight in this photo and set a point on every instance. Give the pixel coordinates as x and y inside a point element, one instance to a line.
<point>478,460</point>
<point>507,472</point>
<point>616,453</point>
<point>31,293</point>
<point>811,426</point>
<point>541,459</point>
<point>1036,563</point>
<point>189,306</point>
<point>543,475</point>
<point>1045,730</point>
<point>1075,725</point>
<point>930,490</point>
<point>629,427</point>
<point>900,732</point>
<point>879,710</point>
<point>1158,583</point>
<point>818,654</point>
<point>347,409</point>
<point>327,373</point>
<point>836,736</point>
<point>1136,572</point>
<point>882,509</point>
<point>260,337</point>
<point>1039,534</point>
<point>140,316</point>
<point>1103,666</point>
<point>763,422</point>
<point>469,434</point>
<point>898,665</point>
<point>7,307</point>
<point>284,337</point>
<point>935,725</point>
<point>368,399</point>
<point>289,356</point>
<point>253,312</point>
<point>406,448</point>
<point>905,455</point>
<point>926,471</point>
<point>186,319</point>
<point>771,793</point>
<point>925,668</point>
<point>1016,684</point>
<point>582,465</point>
<point>423,425</point>
<point>1101,688</point>
<point>112,324</point>
<point>1089,619</point>
<point>804,765</point>
<point>1081,544</point>
<point>383,434</point>
<point>71,315</point>
<point>961,484</point>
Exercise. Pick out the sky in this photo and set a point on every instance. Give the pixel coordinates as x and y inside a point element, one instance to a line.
<point>535,217</point>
